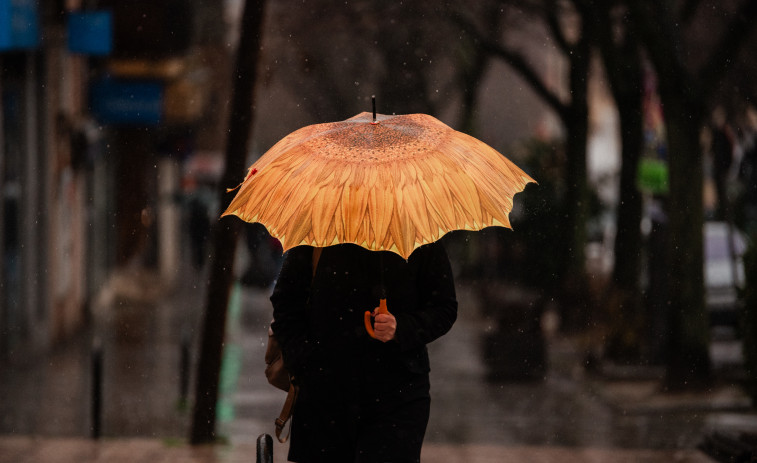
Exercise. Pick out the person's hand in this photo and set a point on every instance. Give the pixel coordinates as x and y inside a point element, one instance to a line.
<point>384,325</point>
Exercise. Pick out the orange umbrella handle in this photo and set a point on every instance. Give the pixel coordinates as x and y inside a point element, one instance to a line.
<point>367,317</point>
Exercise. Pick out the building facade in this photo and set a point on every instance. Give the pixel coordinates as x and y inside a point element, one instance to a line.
<point>100,103</point>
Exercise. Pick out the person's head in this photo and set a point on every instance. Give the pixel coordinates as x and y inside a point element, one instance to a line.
<point>751,117</point>
<point>718,116</point>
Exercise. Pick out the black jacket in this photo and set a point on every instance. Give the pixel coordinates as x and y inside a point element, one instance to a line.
<point>320,325</point>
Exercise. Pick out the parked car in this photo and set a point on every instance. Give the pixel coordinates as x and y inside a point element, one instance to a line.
<point>724,246</point>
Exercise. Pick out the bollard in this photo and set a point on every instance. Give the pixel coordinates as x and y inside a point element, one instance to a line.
<point>265,449</point>
<point>97,374</point>
<point>184,368</point>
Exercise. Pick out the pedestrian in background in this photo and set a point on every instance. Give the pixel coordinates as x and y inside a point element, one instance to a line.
<point>721,146</point>
<point>748,170</point>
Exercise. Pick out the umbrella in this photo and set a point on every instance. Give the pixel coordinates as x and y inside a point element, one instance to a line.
<point>384,182</point>
<point>394,185</point>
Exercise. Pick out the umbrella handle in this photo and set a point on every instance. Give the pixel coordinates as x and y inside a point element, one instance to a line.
<point>367,317</point>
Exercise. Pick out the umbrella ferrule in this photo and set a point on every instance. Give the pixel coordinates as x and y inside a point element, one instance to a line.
<point>373,102</point>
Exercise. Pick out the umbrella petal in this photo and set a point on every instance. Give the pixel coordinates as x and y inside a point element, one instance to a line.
<point>264,197</point>
<point>353,206</point>
<point>464,197</point>
<point>497,213</point>
<point>264,190</point>
<point>401,233</point>
<point>394,237</point>
<point>299,226</point>
<point>247,203</point>
<point>297,206</point>
<point>325,204</point>
<point>414,205</point>
<point>438,197</point>
<point>380,208</point>
<point>407,237</point>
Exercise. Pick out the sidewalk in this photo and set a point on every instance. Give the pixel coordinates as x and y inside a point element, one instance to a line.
<point>568,417</point>
<point>139,323</point>
<point>76,450</point>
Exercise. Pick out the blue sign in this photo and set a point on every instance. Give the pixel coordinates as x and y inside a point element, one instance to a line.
<point>19,24</point>
<point>90,32</point>
<point>127,102</point>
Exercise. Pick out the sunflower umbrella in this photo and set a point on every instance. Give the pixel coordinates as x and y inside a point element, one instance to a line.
<point>386,183</point>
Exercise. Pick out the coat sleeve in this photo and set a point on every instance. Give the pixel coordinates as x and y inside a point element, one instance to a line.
<point>290,300</point>
<point>437,302</point>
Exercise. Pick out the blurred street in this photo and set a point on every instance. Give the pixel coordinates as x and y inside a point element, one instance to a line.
<point>569,416</point>
<point>632,268</point>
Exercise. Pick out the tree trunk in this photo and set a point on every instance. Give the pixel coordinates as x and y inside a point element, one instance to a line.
<point>626,339</point>
<point>683,98</point>
<point>577,197</point>
<point>688,361</point>
<point>225,232</point>
<point>470,80</point>
<point>473,63</point>
<point>575,119</point>
<point>622,60</point>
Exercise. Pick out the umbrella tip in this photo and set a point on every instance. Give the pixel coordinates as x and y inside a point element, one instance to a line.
<point>373,102</point>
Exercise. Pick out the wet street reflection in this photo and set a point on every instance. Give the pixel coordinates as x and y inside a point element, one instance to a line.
<point>567,407</point>
<point>141,340</point>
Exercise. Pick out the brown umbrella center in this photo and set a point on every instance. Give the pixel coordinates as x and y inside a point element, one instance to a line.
<point>392,139</point>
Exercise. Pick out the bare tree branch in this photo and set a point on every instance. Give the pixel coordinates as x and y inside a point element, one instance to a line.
<point>553,21</point>
<point>727,49</point>
<point>518,62</point>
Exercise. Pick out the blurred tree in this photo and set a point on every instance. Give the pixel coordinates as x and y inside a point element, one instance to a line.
<point>539,229</point>
<point>690,65</point>
<point>392,50</point>
<point>472,60</point>
<point>574,38</point>
<point>409,54</point>
<point>621,56</point>
<point>225,233</point>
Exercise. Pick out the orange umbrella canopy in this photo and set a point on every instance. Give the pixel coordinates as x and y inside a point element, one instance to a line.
<point>392,184</point>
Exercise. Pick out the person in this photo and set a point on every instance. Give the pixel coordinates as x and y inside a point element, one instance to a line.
<point>361,399</point>
<point>198,226</point>
<point>265,257</point>
<point>748,170</point>
<point>721,146</point>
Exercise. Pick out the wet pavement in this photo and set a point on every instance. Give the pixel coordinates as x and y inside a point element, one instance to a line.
<point>45,411</point>
<point>138,326</point>
<point>567,408</point>
<point>78,450</point>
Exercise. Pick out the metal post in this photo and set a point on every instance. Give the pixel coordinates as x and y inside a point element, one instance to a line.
<point>265,449</point>
<point>97,374</point>
<point>184,366</point>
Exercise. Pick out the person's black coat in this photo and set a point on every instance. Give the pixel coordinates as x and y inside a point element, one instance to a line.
<point>316,322</point>
<point>325,345</point>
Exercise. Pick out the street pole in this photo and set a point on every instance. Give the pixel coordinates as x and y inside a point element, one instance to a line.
<point>97,389</point>
<point>225,232</point>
